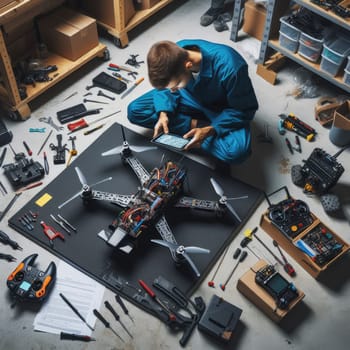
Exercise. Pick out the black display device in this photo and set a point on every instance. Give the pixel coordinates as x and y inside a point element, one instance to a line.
<point>172,141</point>
<point>220,319</point>
<point>283,291</point>
<point>28,283</point>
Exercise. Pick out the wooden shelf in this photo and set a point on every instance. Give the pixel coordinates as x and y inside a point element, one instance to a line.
<point>120,31</point>
<point>9,93</point>
<point>65,67</point>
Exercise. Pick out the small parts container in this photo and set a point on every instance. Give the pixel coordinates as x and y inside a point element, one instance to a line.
<point>312,42</point>
<point>329,66</point>
<point>337,50</point>
<point>288,29</point>
<point>346,77</point>
<point>348,65</point>
<point>309,52</point>
<point>288,43</point>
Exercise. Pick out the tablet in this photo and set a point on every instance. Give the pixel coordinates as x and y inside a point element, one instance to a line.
<point>173,141</point>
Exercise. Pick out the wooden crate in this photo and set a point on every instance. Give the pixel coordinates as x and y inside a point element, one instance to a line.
<point>314,269</point>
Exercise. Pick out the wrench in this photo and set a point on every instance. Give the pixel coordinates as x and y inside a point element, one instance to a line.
<point>50,121</point>
<point>37,129</point>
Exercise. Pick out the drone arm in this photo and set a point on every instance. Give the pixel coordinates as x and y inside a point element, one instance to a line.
<point>194,203</point>
<point>119,199</point>
<point>142,174</point>
<point>165,232</point>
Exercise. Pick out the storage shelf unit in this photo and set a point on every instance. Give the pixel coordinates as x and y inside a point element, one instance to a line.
<point>9,93</point>
<point>121,25</point>
<point>275,9</point>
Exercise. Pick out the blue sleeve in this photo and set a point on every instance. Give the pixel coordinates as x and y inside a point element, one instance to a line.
<point>165,101</point>
<point>241,103</point>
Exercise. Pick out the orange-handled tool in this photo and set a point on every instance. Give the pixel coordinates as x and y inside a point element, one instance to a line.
<point>137,82</point>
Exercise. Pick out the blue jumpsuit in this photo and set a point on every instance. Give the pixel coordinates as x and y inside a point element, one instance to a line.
<point>221,94</point>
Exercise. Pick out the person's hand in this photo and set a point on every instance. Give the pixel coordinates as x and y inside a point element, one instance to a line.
<point>198,135</point>
<point>161,125</point>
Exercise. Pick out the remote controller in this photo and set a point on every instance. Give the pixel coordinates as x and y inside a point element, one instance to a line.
<point>28,283</point>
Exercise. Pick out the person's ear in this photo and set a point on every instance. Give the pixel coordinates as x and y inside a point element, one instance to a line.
<point>188,65</point>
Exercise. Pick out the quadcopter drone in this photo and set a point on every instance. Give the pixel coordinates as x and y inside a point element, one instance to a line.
<point>161,188</point>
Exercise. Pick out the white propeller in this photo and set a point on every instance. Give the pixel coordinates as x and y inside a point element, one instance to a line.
<point>182,250</point>
<point>223,199</point>
<point>85,186</point>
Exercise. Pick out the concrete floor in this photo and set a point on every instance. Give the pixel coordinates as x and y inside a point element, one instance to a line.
<point>321,322</point>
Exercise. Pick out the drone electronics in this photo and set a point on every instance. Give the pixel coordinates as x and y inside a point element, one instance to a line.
<point>161,188</point>
<point>320,172</point>
<point>277,286</point>
<point>291,216</point>
<point>27,283</point>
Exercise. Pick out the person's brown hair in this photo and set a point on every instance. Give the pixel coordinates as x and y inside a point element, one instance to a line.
<point>165,62</point>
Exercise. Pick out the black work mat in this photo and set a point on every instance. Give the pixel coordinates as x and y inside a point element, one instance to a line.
<point>93,256</point>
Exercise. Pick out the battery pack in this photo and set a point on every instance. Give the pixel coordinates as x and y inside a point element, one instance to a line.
<point>220,319</point>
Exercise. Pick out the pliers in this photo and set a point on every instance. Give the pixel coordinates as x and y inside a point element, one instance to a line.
<point>7,257</point>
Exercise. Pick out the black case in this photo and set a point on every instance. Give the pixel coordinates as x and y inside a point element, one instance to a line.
<point>110,83</point>
<point>220,319</point>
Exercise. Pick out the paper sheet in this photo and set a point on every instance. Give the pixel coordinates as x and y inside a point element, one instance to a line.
<point>84,293</point>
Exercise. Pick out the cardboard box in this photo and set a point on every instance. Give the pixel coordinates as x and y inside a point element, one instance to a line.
<point>254,19</point>
<point>104,11</point>
<point>261,298</point>
<point>68,33</point>
<point>342,116</point>
<point>146,4</point>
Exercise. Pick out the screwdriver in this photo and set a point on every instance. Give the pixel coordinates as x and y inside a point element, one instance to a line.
<point>116,316</point>
<point>137,82</point>
<point>287,266</point>
<point>29,151</point>
<point>69,336</point>
<point>150,292</point>
<point>81,124</point>
<point>5,239</point>
<point>122,305</point>
<point>241,259</point>
<point>244,244</point>
<point>88,132</point>
<point>106,324</point>
<point>253,233</point>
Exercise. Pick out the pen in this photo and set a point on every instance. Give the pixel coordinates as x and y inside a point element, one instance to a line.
<point>75,310</point>
<point>69,336</point>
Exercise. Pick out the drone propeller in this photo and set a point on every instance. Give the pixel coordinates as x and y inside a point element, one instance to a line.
<point>81,176</point>
<point>183,251</point>
<point>125,146</point>
<point>119,149</point>
<point>85,186</point>
<point>223,199</point>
